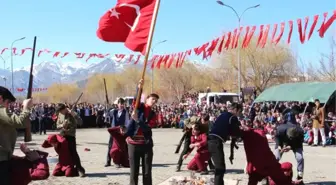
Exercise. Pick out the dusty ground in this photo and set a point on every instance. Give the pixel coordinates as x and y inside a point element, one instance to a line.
<point>320,163</point>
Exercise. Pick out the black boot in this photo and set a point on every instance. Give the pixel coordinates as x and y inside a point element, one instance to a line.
<point>300,179</point>
<point>178,168</point>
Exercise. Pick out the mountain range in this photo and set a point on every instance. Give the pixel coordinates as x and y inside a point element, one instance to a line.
<point>47,73</point>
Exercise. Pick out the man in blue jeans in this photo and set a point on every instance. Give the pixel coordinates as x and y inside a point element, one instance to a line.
<point>290,136</point>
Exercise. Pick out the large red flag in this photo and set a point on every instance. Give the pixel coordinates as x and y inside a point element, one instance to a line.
<point>129,22</point>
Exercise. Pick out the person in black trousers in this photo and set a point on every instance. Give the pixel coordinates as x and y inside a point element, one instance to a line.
<point>119,117</point>
<point>139,140</point>
<point>67,123</point>
<point>226,125</point>
<point>187,141</point>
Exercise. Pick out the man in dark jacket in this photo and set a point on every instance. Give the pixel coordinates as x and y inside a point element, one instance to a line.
<point>226,125</point>
<point>119,117</point>
<point>139,140</point>
<point>290,136</point>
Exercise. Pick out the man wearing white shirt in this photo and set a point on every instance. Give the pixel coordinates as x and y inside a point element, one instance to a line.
<point>119,117</point>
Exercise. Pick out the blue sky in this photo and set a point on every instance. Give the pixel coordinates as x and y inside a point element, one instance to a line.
<point>70,25</point>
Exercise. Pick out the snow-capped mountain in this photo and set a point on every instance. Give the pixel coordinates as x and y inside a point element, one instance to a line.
<point>47,73</point>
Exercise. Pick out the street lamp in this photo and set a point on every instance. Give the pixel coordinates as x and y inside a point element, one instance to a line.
<point>12,60</point>
<point>238,50</point>
<point>152,51</point>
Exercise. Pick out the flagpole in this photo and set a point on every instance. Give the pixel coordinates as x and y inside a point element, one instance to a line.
<point>148,46</point>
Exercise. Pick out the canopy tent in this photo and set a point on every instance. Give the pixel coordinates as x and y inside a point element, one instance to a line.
<point>301,91</point>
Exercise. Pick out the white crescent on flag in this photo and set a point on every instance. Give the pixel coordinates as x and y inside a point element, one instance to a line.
<point>137,10</point>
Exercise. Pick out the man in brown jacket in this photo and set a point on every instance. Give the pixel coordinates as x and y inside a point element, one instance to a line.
<point>8,124</point>
<point>67,123</point>
<point>318,123</point>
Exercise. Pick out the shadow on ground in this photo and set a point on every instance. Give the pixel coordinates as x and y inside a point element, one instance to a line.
<point>102,175</point>
<point>322,183</point>
<point>92,143</point>
<point>235,171</point>
<point>163,165</point>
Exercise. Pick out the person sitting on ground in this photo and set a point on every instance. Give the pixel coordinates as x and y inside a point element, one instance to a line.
<point>33,166</point>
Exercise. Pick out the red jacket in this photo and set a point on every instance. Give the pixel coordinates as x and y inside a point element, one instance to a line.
<point>202,140</point>
<point>62,149</point>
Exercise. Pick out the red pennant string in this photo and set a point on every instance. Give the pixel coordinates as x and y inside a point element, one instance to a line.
<point>227,43</point>
<point>92,55</point>
<point>43,51</point>
<point>179,55</point>
<point>56,54</point>
<point>130,58</point>
<point>261,32</point>
<point>237,37</point>
<point>302,34</point>
<point>65,54</point>
<point>290,31</point>
<point>248,40</point>
<point>234,37</point>
<point>212,47</point>
<point>158,64</point>
<point>171,60</point>
<point>220,47</point>
<point>265,36</point>
<point>312,28</point>
<point>165,60</point>
<point>24,50</point>
<point>137,60</point>
<point>152,61</point>
<point>275,28</point>
<point>14,51</point>
<point>80,55</point>
<point>247,31</point>
<point>119,57</point>
<point>3,50</point>
<point>183,58</point>
<point>325,26</point>
<point>282,29</point>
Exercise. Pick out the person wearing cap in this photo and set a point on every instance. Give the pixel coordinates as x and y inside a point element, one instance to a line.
<point>290,136</point>
<point>225,126</point>
<point>8,124</point>
<point>67,123</point>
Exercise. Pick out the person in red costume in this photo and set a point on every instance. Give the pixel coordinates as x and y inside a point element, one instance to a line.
<point>261,162</point>
<point>287,169</point>
<point>65,165</point>
<point>118,151</point>
<point>34,166</point>
<point>199,140</point>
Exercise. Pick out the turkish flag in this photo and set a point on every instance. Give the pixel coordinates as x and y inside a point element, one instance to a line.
<point>129,22</point>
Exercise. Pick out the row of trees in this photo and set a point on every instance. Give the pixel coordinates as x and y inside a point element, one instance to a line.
<point>260,68</point>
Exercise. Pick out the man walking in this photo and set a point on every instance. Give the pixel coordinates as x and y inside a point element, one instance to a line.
<point>8,124</point>
<point>67,122</point>
<point>118,117</point>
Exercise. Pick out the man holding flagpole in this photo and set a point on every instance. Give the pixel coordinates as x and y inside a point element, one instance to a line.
<point>133,22</point>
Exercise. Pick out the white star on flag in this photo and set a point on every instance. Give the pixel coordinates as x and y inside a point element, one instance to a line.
<point>114,13</point>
